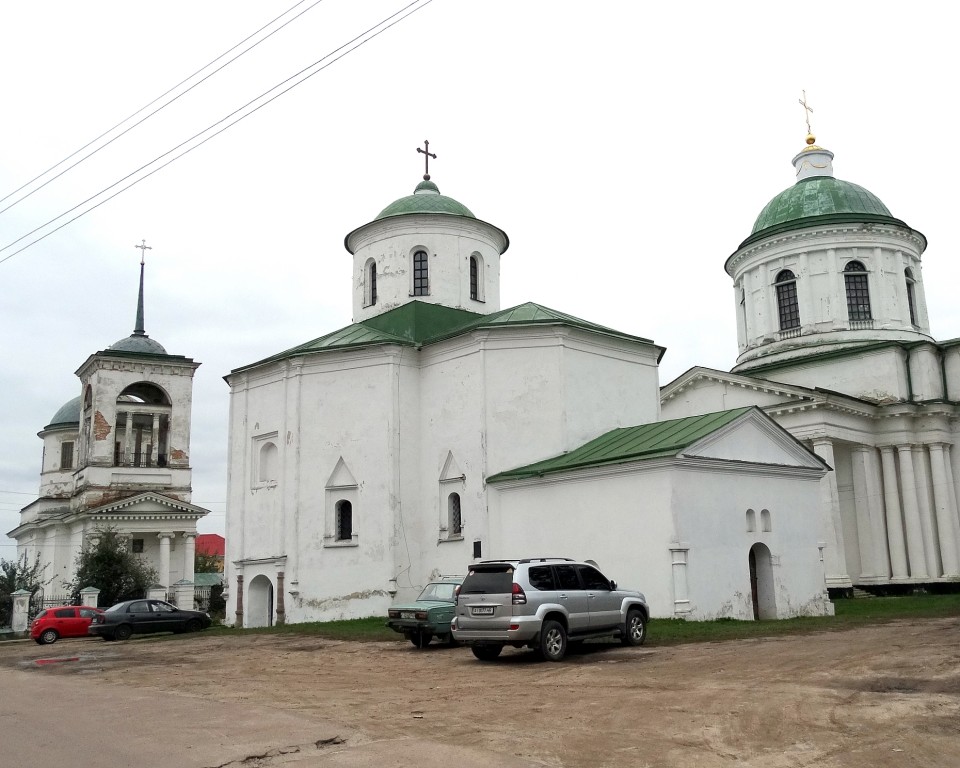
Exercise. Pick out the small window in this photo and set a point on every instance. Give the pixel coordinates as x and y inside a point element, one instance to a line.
<point>421,281</point>
<point>477,549</point>
<point>454,519</point>
<point>911,295</point>
<point>788,307</point>
<point>370,283</point>
<point>765,524</point>
<point>136,546</point>
<point>751,520</point>
<point>858,292</point>
<point>344,520</point>
<point>66,455</point>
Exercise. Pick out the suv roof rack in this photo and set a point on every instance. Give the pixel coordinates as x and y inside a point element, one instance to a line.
<point>545,559</point>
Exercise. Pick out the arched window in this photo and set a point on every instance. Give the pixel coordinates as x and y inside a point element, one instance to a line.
<point>454,519</point>
<point>911,294</point>
<point>421,278</point>
<point>751,520</point>
<point>765,524</point>
<point>267,466</point>
<point>344,520</point>
<point>370,283</point>
<point>476,278</point>
<point>787,305</point>
<point>858,293</point>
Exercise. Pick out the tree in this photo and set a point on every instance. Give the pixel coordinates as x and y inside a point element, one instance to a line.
<point>204,563</point>
<point>19,574</point>
<point>107,563</point>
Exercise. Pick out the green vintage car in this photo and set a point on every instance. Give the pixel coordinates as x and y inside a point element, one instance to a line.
<point>428,617</point>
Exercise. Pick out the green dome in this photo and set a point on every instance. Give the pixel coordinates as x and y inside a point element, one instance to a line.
<point>140,343</point>
<point>69,413</point>
<point>426,198</point>
<point>821,196</point>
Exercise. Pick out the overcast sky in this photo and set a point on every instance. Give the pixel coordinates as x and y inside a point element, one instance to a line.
<point>626,148</point>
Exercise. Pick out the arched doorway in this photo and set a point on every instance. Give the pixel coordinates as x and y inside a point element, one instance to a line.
<point>761,583</point>
<point>259,612</point>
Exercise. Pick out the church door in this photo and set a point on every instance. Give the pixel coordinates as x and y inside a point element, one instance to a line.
<point>762,590</point>
<point>259,610</point>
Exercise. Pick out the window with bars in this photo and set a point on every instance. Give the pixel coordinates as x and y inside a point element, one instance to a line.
<point>66,455</point>
<point>788,307</point>
<point>911,295</point>
<point>344,522</point>
<point>454,519</point>
<point>421,281</point>
<point>858,292</point>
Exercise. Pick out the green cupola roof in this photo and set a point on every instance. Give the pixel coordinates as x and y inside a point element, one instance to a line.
<point>818,198</point>
<point>426,198</point>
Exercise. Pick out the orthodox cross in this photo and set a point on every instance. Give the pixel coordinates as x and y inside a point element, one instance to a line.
<point>808,110</point>
<point>143,250</point>
<point>426,160</point>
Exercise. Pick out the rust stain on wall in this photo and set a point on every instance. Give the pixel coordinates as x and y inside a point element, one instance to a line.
<point>101,430</point>
<point>178,455</point>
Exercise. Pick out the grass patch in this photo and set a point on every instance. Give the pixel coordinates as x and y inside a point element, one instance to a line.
<point>849,614</point>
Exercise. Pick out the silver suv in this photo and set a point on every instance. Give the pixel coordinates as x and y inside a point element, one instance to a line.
<point>545,603</point>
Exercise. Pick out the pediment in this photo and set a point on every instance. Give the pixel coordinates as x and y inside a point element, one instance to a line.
<point>148,504</point>
<point>451,469</point>
<point>341,477</point>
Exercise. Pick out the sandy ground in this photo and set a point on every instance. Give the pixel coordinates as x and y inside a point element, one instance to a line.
<point>887,695</point>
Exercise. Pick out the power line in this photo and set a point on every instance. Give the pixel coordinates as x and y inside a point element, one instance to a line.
<point>147,106</point>
<point>316,70</point>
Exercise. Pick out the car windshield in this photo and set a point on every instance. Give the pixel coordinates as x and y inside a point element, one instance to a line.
<point>439,591</point>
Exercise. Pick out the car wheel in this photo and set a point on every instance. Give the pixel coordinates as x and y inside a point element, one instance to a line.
<point>48,636</point>
<point>636,629</point>
<point>192,626</point>
<point>122,632</point>
<point>553,641</point>
<point>486,652</point>
<point>420,639</point>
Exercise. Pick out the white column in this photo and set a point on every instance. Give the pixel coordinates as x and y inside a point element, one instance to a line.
<point>944,509</point>
<point>164,574</point>
<point>127,441</point>
<point>875,504</point>
<point>952,488</point>
<point>861,500</point>
<point>830,524</point>
<point>681,596</point>
<point>911,513</point>
<point>891,496</point>
<point>930,547</point>
<point>155,440</point>
<point>189,552</point>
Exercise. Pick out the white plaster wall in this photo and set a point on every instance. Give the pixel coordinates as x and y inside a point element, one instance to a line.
<point>449,242</point>
<point>629,522</point>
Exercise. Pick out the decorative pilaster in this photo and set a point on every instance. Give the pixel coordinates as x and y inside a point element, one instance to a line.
<point>281,612</point>
<point>891,497</point>
<point>239,612</point>
<point>681,595</point>
<point>911,513</point>
<point>830,523</point>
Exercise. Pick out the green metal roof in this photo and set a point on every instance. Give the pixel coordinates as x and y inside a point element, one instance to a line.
<point>426,198</point>
<point>647,441</point>
<point>418,323</point>
<point>816,200</point>
<point>69,413</point>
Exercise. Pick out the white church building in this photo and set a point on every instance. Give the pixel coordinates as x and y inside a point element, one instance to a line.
<point>118,456</point>
<point>835,345</point>
<point>439,429</point>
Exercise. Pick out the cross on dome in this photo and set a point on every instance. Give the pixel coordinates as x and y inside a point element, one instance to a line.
<point>426,160</point>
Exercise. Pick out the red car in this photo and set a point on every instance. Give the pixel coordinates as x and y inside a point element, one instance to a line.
<point>64,621</point>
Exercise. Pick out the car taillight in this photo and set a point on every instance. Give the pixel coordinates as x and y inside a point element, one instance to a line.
<point>519,596</point>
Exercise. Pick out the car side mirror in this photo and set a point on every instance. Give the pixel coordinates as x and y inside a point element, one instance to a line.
<point>613,584</point>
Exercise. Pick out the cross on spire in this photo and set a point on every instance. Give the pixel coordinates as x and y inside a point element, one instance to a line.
<point>426,160</point>
<point>143,250</point>
<point>808,110</point>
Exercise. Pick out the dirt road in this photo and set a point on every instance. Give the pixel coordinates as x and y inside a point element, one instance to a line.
<point>883,696</point>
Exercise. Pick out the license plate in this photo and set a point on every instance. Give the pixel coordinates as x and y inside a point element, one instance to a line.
<point>408,615</point>
<point>485,610</point>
